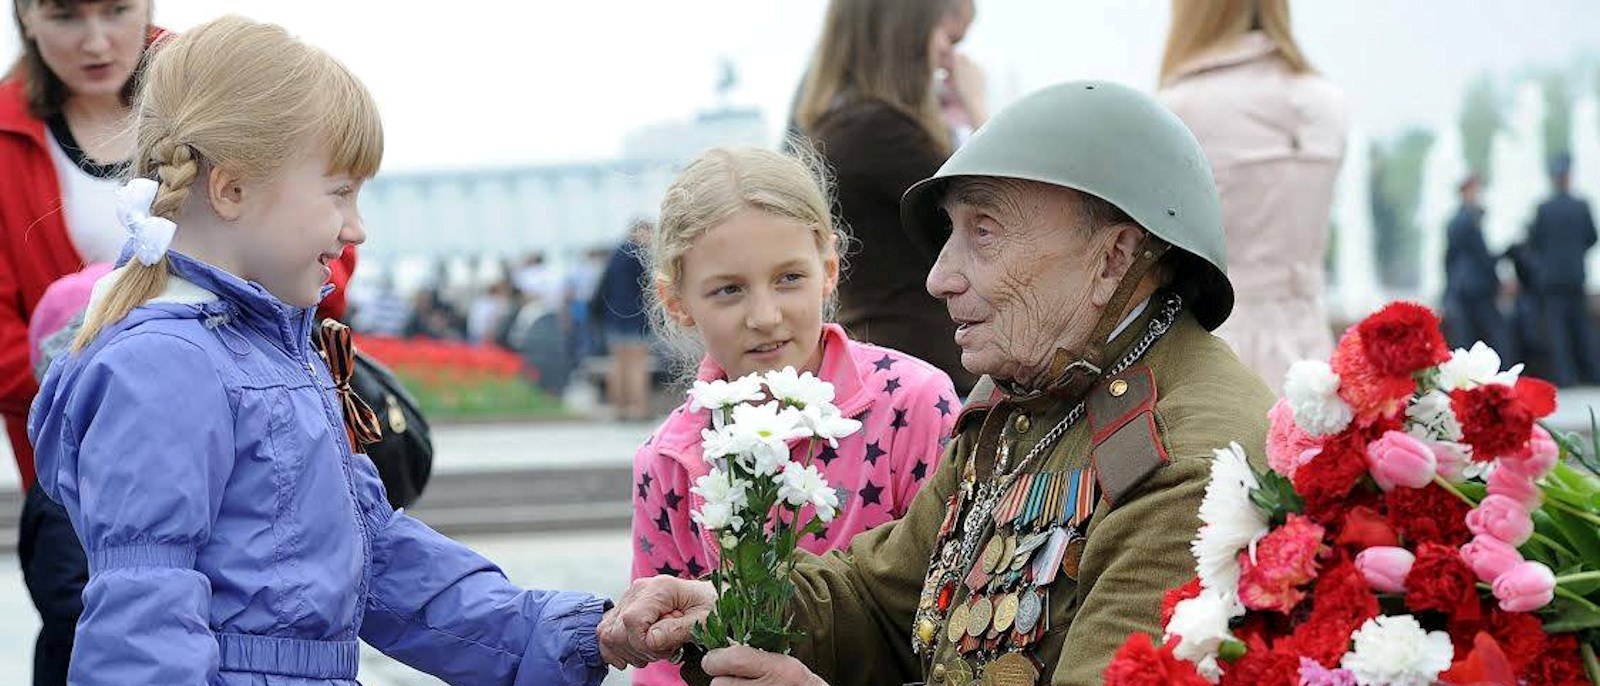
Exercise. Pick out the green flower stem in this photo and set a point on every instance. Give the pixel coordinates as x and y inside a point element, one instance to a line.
<point>1446,485</point>
<point>1574,597</point>
<point>1585,515</point>
<point>1590,664</point>
<point>1578,576</point>
<point>1553,543</point>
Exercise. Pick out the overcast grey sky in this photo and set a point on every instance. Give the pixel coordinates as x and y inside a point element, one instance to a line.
<point>477,82</point>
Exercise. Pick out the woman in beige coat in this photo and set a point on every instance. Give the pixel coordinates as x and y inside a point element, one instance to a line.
<point>1274,132</point>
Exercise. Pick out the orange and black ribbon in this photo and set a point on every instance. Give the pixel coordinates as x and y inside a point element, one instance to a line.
<point>360,422</point>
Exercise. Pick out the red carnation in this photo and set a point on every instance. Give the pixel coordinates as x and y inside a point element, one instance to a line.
<point>1323,639</point>
<point>1402,339</point>
<point>1325,481</point>
<point>1260,666</point>
<point>1538,395</point>
<point>1493,420</point>
<point>1429,515</point>
<point>1340,603</point>
<point>1520,633</point>
<point>1439,580</point>
<point>1285,560</point>
<point>1369,391</point>
<point>1558,665</point>
<point>1170,599</point>
<point>1140,663</point>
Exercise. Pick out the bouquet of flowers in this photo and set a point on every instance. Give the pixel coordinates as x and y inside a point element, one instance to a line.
<point>759,500</point>
<point>1418,524</point>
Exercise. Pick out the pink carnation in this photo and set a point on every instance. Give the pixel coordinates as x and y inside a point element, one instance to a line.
<point>1285,561</point>
<point>1288,445</point>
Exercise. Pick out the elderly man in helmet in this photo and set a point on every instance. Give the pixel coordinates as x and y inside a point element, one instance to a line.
<point>1085,269</point>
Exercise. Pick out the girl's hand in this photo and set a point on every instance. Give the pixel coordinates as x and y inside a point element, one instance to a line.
<point>970,86</point>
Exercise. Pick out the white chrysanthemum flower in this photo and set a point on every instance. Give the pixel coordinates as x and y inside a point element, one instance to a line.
<point>799,389</point>
<point>825,422</point>
<point>725,496</point>
<point>1312,390</point>
<point>1395,651</point>
<point>1432,413</point>
<point>1229,523</point>
<point>766,430</point>
<point>803,485</point>
<point>1476,367</point>
<point>1201,623</point>
<point>719,443</point>
<point>720,395</point>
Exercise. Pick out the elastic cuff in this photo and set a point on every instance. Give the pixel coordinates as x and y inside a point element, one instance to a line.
<point>155,555</point>
<point>588,633</point>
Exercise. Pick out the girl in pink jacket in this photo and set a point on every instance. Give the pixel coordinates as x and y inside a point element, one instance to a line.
<point>746,264</point>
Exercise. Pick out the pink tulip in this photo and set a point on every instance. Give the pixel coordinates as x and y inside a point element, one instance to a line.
<point>1525,587</point>
<point>1489,557</point>
<point>1503,518</point>
<point>1396,459</point>
<point>1537,458</point>
<point>1516,486</point>
<point>1385,568</point>
<point>1451,460</point>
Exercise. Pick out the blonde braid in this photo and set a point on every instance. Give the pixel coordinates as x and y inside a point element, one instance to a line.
<point>176,172</point>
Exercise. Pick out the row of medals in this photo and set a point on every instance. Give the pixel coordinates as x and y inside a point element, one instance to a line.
<point>1038,534</point>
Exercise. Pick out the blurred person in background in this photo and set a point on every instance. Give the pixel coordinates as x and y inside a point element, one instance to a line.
<point>1559,240</point>
<point>1471,282</point>
<point>619,309</point>
<point>1274,132</point>
<point>870,107</point>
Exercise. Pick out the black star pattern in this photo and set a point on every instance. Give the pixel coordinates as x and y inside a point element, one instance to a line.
<point>874,452</point>
<point>694,527</point>
<point>673,499</point>
<point>891,385</point>
<point>668,570</point>
<point>845,495</point>
<point>664,524</point>
<point>870,494</point>
<point>821,534</point>
<point>695,570</point>
<point>644,487</point>
<point>884,364</point>
<point>646,546</point>
<point>899,420</point>
<point>828,455</point>
<point>920,471</point>
<point>943,406</point>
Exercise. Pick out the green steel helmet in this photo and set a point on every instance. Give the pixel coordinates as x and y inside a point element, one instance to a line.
<point>1113,142</point>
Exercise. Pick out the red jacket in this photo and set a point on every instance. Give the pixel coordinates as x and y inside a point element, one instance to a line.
<point>35,250</point>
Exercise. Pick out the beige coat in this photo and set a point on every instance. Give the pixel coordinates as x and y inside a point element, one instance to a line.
<point>1275,140</point>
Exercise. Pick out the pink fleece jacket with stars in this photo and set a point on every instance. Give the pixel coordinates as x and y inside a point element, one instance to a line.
<point>906,408</point>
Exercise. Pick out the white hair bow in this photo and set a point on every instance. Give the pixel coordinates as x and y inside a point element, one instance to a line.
<point>151,235</point>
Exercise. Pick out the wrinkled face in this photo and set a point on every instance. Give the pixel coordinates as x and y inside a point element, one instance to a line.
<point>1020,274</point>
<point>753,288</point>
<point>295,226</point>
<point>93,47</point>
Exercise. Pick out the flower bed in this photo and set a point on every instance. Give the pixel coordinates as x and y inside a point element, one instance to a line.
<point>456,381</point>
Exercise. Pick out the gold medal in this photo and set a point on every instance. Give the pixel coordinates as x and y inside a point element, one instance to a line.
<point>978,618</point>
<point>1008,547</point>
<point>1012,669</point>
<point>991,553</point>
<point>957,626</point>
<point>958,673</point>
<point>1005,612</point>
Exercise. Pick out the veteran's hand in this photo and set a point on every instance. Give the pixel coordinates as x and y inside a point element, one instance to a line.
<point>653,619</point>
<point>746,666</point>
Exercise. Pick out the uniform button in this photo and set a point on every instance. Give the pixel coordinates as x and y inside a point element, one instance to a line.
<point>1023,423</point>
<point>1118,388</point>
<point>939,672</point>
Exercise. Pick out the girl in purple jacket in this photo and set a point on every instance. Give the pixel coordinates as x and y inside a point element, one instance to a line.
<point>206,452</point>
<point>746,266</point>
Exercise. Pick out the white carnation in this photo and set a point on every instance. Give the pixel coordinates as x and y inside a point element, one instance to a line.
<point>1395,651</point>
<point>1433,415</point>
<point>803,485</point>
<point>1201,623</point>
<point>1312,390</point>
<point>1476,367</point>
<point>802,390</point>
<point>1229,523</point>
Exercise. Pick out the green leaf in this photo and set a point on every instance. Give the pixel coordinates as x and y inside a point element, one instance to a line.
<point>1474,490</point>
<point>1580,535</point>
<point>1569,616</point>
<point>1276,497</point>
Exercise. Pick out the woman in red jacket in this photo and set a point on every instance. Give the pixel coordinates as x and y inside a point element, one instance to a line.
<point>64,143</point>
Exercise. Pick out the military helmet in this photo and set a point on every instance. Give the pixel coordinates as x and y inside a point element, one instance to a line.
<point>1115,143</point>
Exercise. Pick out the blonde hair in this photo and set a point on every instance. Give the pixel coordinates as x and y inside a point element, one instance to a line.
<point>876,50</point>
<point>721,183</point>
<point>1199,25</point>
<point>243,96</point>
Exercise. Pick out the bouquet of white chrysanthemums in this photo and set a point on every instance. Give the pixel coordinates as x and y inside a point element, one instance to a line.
<point>756,492</point>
